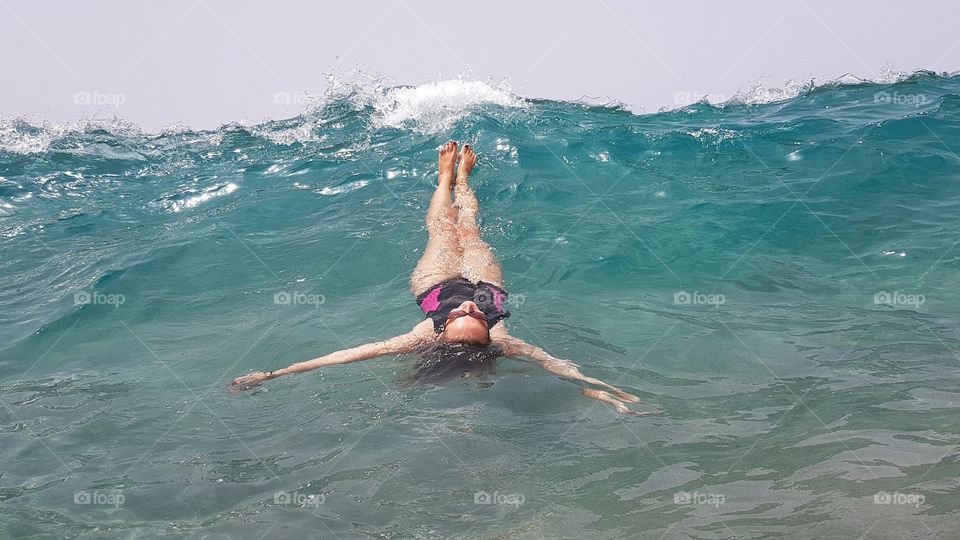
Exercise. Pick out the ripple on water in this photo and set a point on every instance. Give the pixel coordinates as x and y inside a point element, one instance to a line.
<point>193,197</point>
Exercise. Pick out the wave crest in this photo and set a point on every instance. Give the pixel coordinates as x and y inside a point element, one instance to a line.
<point>437,106</point>
<point>426,108</point>
<point>429,109</point>
<point>18,136</point>
<point>758,94</point>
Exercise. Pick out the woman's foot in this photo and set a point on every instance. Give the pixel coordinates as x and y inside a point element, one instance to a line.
<point>467,160</point>
<point>448,158</point>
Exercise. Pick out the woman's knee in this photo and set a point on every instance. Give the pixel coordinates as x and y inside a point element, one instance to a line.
<point>472,242</point>
<point>441,217</point>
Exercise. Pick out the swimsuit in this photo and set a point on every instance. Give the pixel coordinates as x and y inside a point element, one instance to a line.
<point>438,301</point>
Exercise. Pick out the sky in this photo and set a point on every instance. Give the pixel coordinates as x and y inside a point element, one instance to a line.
<point>203,63</point>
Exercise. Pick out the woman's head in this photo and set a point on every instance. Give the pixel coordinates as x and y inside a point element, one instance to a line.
<point>442,361</point>
<point>466,324</point>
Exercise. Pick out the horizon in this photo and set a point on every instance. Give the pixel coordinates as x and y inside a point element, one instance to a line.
<point>206,63</point>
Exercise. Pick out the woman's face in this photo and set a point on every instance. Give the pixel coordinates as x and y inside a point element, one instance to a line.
<point>466,324</point>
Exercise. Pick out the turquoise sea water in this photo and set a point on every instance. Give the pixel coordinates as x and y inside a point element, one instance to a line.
<point>781,278</point>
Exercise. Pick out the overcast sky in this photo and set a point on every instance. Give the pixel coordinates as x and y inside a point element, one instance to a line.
<point>203,63</point>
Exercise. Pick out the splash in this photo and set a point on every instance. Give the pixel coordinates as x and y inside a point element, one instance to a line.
<point>18,136</point>
<point>758,94</point>
<point>435,107</point>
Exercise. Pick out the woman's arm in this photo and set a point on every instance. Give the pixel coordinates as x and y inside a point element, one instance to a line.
<point>614,396</point>
<point>404,343</point>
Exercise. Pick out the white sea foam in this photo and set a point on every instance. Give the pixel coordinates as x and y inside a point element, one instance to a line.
<point>714,135</point>
<point>427,108</point>
<point>298,134</point>
<point>437,106</point>
<point>19,137</point>
<point>15,139</point>
<point>758,94</point>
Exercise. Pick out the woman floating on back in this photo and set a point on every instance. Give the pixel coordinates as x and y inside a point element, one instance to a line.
<point>459,286</point>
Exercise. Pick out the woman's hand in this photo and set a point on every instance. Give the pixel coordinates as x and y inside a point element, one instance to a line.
<point>251,380</point>
<point>614,401</point>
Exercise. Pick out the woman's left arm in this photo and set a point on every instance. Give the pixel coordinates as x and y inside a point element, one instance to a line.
<point>611,395</point>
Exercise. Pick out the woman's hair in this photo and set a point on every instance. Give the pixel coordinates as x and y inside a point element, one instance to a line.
<point>441,361</point>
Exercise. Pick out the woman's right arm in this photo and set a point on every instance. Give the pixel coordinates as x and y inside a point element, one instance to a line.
<point>403,343</point>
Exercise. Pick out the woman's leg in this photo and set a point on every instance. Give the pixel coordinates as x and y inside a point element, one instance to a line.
<point>441,258</point>
<point>478,263</point>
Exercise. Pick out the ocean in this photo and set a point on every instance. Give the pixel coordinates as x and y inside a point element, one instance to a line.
<point>778,272</point>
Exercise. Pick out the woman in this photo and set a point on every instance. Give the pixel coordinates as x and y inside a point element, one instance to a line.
<point>459,286</point>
